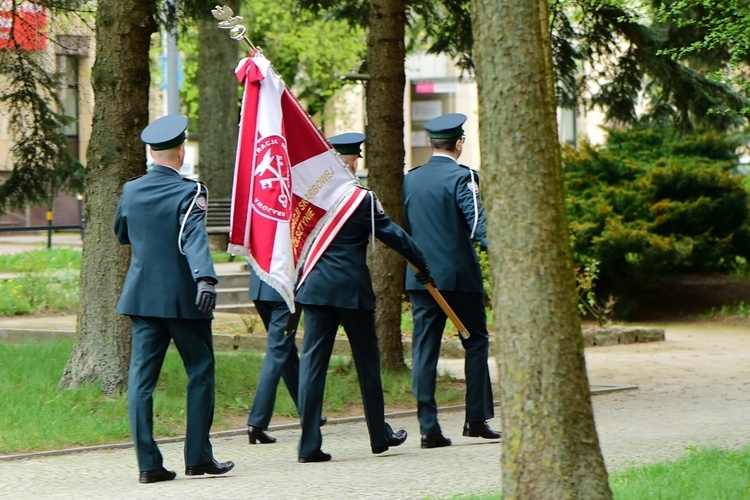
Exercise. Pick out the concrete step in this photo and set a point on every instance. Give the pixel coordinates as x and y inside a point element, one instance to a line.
<point>246,307</point>
<point>235,295</point>
<point>233,280</point>
<point>233,288</point>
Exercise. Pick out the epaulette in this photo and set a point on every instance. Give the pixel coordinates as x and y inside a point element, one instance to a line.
<point>193,180</point>
<point>413,169</point>
<point>468,167</point>
<point>134,178</point>
<point>197,183</point>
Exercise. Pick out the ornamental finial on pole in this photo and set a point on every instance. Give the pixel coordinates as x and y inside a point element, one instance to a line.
<point>228,21</point>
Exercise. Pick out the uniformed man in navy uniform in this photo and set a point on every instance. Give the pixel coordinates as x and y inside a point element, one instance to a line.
<point>338,291</point>
<point>281,360</point>
<point>349,148</point>
<point>444,215</point>
<point>169,295</point>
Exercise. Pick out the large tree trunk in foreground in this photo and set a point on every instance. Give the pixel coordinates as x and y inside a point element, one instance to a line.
<point>385,164</point>
<point>121,85</point>
<point>550,446</point>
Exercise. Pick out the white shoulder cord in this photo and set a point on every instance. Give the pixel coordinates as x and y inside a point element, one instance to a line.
<point>187,214</point>
<point>474,192</point>
<point>372,218</point>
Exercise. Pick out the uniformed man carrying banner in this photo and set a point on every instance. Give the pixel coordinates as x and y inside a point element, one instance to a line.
<point>444,215</point>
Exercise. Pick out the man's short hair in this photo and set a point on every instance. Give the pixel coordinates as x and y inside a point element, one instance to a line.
<point>444,144</point>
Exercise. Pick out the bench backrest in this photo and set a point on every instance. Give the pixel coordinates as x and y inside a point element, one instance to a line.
<point>218,212</point>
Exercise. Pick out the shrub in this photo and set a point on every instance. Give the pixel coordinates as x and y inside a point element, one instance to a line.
<point>653,202</point>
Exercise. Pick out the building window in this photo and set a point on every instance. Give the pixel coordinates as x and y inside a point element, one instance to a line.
<point>67,68</point>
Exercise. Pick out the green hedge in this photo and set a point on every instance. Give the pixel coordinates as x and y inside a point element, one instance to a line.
<point>652,202</point>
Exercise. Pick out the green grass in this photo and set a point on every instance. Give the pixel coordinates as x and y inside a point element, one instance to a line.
<point>51,291</point>
<point>46,281</point>
<point>702,474</point>
<point>61,258</point>
<point>40,260</point>
<point>741,310</point>
<point>218,257</point>
<point>36,415</point>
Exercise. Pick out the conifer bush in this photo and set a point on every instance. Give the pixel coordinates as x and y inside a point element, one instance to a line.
<point>652,202</point>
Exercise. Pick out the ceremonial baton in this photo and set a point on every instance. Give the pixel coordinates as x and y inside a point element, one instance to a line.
<point>462,331</point>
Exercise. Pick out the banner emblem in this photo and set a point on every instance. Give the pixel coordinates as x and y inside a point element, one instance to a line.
<point>272,184</point>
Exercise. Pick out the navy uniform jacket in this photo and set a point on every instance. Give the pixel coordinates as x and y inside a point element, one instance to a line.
<point>439,211</point>
<point>161,282</point>
<point>341,277</point>
<point>260,290</point>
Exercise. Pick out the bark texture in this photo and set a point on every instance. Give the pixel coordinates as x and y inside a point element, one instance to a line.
<point>385,164</point>
<point>120,79</point>
<point>550,445</point>
<point>218,103</point>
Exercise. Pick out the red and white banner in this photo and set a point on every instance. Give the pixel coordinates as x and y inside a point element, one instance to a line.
<point>288,180</point>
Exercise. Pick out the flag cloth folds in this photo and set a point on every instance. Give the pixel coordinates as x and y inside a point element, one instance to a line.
<point>288,180</point>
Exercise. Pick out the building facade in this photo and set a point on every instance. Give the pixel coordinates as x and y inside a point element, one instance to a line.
<point>65,47</point>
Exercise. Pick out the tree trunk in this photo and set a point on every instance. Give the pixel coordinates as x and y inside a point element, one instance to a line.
<point>550,445</point>
<point>385,163</point>
<point>120,79</point>
<point>218,110</point>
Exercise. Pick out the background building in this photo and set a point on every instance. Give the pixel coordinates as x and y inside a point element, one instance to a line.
<point>71,57</point>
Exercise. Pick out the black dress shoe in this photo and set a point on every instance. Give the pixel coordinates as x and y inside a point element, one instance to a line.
<point>154,476</point>
<point>212,467</point>
<point>480,430</point>
<point>259,436</point>
<point>397,439</point>
<point>318,456</point>
<point>323,421</point>
<point>435,441</point>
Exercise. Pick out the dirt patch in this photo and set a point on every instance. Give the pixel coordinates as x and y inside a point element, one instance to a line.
<point>687,298</point>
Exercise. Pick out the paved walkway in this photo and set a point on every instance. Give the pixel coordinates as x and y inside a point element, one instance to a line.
<point>692,390</point>
<point>22,241</point>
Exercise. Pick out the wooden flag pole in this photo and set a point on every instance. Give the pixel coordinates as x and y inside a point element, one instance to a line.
<point>462,331</point>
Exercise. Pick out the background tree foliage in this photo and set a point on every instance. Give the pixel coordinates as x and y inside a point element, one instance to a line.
<point>311,52</point>
<point>610,53</point>
<point>713,34</point>
<point>652,201</point>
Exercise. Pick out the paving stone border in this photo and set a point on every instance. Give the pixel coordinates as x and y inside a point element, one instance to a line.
<point>613,335</point>
<point>452,348</point>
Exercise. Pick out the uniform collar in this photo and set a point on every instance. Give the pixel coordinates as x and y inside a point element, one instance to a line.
<point>163,169</point>
<point>442,155</point>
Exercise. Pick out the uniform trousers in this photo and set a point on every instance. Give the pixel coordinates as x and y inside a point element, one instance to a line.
<point>281,362</point>
<point>321,324</point>
<point>151,338</point>
<point>429,322</point>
